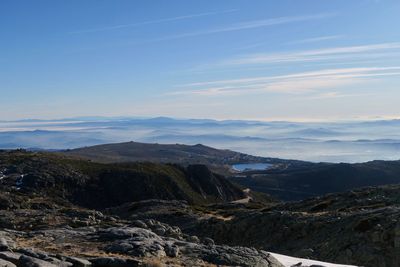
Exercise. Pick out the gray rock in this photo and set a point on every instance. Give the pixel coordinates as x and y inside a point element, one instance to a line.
<point>58,262</point>
<point>238,256</point>
<point>6,243</point>
<point>32,253</point>
<point>27,261</point>
<point>147,248</point>
<point>78,262</point>
<point>4,263</point>
<point>159,230</point>
<point>122,247</point>
<point>193,239</point>
<point>140,224</point>
<point>171,250</point>
<point>150,222</point>
<point>10,256</point>
<point>127,232</point>
<point>272,261</point>
<point>208,241</point>
<point>113,262</point>
<point>156,250</point>
<point>3,244</point>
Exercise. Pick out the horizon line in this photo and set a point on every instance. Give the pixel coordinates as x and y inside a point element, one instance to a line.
<point>272,120</point>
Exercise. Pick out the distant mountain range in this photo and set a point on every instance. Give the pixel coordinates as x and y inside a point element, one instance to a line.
<point>350,142</point>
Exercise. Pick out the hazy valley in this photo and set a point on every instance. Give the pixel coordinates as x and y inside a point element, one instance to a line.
<point>327,142</point>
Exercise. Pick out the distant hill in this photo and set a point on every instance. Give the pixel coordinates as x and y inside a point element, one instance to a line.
<point>217,159</point>
<point>167,153</point>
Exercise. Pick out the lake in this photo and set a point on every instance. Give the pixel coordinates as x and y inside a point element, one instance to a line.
<point>251,166</point>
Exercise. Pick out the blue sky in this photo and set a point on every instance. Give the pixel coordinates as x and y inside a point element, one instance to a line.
<point>264,60</point>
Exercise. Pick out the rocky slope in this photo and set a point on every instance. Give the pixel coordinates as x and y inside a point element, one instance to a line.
<point>100,186</point>
<point>73,236</point>
<point>361,227</point>
<point>287,180</point>
<point>315,179</point>
<point>106,241</point>
<point>55,211</point>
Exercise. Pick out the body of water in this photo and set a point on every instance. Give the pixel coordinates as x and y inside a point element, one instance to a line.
<point>251,166</point>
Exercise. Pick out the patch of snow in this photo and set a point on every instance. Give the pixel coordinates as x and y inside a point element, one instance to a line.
<point>288,261</point>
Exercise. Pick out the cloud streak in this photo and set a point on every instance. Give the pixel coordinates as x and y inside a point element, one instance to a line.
<point>248,25</point>
<point>296,83</point>
<point>270,22</point>
<point>252,25</point>
<point>331,95</point>
<point>313,55</point>
<point>157,21</point>
<point>316,39</point>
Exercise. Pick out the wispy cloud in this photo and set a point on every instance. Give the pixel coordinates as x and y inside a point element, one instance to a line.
<point>291,83</point>
<point>270,22</point>
<point>316,39</point>
<point>319,73</point>
<point>312,55</point>
<point>301,41</point>
<point>156,21</point>
<point>331,95</point>
<point>253,24</point>
<point>229,28</point>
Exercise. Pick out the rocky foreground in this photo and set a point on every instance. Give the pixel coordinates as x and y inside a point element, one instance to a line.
<point>58,212</point>
<point>138,243</point>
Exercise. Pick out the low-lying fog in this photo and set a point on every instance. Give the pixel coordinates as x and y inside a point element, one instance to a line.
<point>333,142</point>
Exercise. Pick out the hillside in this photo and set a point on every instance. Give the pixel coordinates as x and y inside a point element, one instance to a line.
<point>286,180</point>
<point>217,159</point>
<point>318,179</point>
<point>98,207</point>
<point>98,185</point>
<point>173,153</point>
<point>359,227</point>
<point>58,211</point>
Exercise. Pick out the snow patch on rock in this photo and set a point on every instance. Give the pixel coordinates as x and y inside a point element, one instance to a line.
<point>288,261</point>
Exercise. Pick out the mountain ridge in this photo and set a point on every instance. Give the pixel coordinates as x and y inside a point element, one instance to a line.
<point>82,182</point>
<point>285,180</point>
